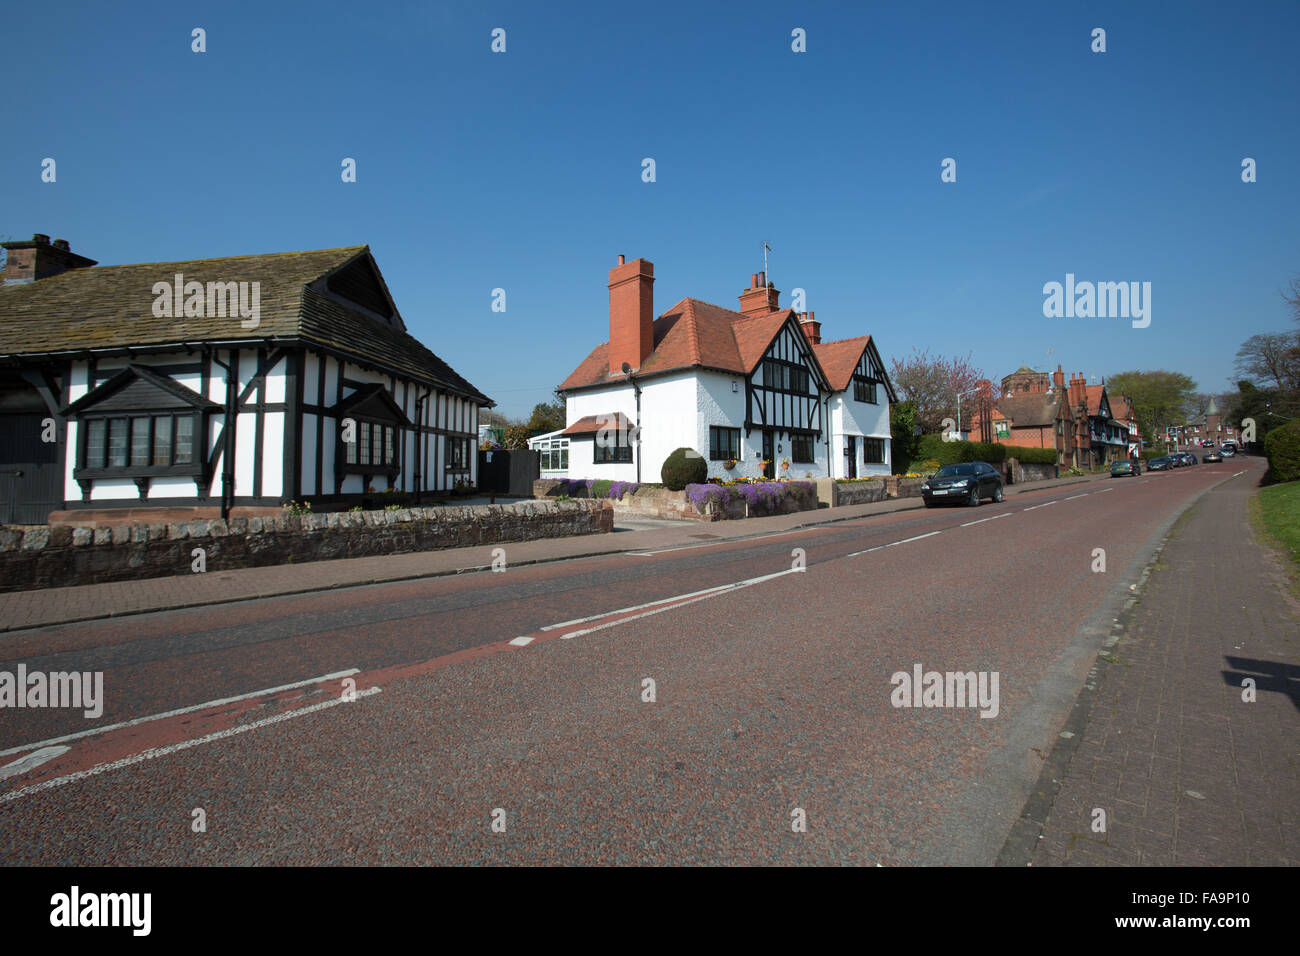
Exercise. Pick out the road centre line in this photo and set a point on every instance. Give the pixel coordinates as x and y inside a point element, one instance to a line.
<point>1043,505</point>
<point>181,745</point>
<point>337,675</point>
<point>689,599</point>
<point>1072,497</point>
<point>1006,514</point>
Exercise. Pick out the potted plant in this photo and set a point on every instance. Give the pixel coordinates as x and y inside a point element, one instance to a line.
<point>729,464</point>
<point>785,464</point>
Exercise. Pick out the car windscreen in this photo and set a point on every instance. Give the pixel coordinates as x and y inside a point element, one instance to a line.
<point>955,471</point>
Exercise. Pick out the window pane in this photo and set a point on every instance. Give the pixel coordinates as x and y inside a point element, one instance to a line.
<point>363,439</point>
<point>389,457</point>
<point>162,440</point>
<point>564,458</point>
<point>97,428</point>
<point>184,451</point>
<point>117,442</point>
<point>139,442</point>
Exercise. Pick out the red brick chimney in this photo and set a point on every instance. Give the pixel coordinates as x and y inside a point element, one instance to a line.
<point>38,259</point>
<point>631,313</point>
<point>760,298</point>
<point>811,327</point>
<point>1077,384</point>
<point>1058,378</point>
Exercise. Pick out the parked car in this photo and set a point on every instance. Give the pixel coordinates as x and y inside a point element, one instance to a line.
<point>1163,463</point>
<point>1188,458</point>
<point>1124,466</point>
<point>1212,456</point>
<point>1228,449</point>
<point>967,484</point>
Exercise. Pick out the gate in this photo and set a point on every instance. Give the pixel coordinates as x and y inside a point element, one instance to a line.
<point>509,473</point>
<point>30,485</point>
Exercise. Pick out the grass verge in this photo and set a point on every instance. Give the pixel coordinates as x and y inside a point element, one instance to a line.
<point>1275,512</point>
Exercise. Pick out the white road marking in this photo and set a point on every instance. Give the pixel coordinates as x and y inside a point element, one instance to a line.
<point>1006,514</point>
<point>522,641</point>
<point>916,538</point>
<point>182,745</point>
<point>31,761</point>
<point>693,598</point>
<point>1043,505</point>
<point>635,607</point>
<point>1072,497</point>
<point>1104,490</point>
<point>707,544</point>
<point>183,710</point>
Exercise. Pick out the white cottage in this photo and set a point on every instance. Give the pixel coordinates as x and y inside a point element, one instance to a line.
<point>217,386</point>
<point>755,391</point>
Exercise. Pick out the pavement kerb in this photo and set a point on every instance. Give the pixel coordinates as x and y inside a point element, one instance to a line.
<point>1022,840</point>
<point>815,518</point>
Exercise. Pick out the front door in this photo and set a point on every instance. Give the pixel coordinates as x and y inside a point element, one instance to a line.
<point>851,453</point>
<point>30,486</point>
<point>769,453</point>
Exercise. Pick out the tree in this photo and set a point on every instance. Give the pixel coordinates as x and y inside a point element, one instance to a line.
<point>1160,398</point>
<point>493,418</point>
<point>1271,358</point>
<point>905,443</point>
<point>932,384</point>
<point>547,417</point>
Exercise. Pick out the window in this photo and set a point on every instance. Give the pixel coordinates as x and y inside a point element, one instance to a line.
<point>801,448</point>
<point>864,390</point>
<point>374,446</point>
<point>555,454</point>
<point>873,451</point>
<point>458,454</point>
<point>139,445</point>
<point>614,447</point>
<point>724,444</point>
<point>785,377</point>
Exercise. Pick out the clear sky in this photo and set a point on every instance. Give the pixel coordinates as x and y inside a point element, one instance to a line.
<point>522,170</point>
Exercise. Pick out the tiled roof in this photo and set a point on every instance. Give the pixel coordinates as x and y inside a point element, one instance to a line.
<point>696,334</point>
<point>840,359</point>
<point>1027,411</point>
<point>1093,394</point>
<point>594,423</point>
<point>108,307</point>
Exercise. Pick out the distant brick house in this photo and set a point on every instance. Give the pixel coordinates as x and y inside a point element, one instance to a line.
<point>1075,419</point>
<point>1204,430</point>
<point>156,388</point>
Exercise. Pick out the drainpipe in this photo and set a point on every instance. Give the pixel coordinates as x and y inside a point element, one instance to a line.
<point>419,441</point>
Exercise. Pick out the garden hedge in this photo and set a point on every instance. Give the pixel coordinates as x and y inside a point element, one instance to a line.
<point>1282,446</point>
<point>683,467</point>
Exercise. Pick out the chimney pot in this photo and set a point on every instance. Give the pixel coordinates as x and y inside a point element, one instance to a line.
<point>61,244</point>
<point>41,237</point>
<point>620,259</point>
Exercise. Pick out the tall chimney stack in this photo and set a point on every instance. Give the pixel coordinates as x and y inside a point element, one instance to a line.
<point>631,313</point>
<point>811,327</point>
<point>1058,378</point>
<point>760,298</point>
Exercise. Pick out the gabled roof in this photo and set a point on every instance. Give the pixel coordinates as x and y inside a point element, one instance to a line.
<point>112,307</point>
<point>1093,394</point>
<point>697,334</point>
<point>1034,410</point>
<point>594,423</point>
<point>147,377</point>
<point>372,401</point>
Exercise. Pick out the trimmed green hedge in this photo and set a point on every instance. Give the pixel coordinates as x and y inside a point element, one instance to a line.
<point>683,467</point>
<point>955,452</point>
<point>1282,446</point>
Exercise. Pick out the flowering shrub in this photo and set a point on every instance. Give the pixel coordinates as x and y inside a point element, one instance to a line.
<point>574,487</point>
<point>762,497</point>
<point>618,489</point>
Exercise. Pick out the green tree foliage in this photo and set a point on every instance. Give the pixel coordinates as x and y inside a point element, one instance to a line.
<point>1283,450</point>
<point>546,417</point>
<point>517,436</point>
<point>1160,398</point>
<point>905,443</point>
<point>683,467</point>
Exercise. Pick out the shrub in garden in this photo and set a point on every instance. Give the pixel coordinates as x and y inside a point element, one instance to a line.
<point>684,467</point>
<point>1282,446</point>
<point>1031,456</point>
<point>600,488</point>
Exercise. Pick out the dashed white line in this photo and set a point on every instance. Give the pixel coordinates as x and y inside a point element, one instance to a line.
<point>522,641</point>
<point>1043,505</point>
<point>337,675</point>
<point>1072,497</point>
<point>992,518</point>
<point>916,538</point>
<point>31,761</point>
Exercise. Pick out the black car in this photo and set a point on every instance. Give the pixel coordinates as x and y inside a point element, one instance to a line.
<point>966,484</point>
<point>1163,463</point>
<point>1212,456</point>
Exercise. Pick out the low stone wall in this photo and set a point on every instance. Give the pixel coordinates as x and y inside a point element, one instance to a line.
<point>860,492</point>
<point>1015,472</point>
<point>49,557</point>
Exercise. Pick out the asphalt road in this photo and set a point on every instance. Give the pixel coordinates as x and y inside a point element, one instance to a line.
<point>420,713</point>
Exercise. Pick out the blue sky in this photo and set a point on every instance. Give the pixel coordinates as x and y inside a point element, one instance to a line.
<point>522,170</point>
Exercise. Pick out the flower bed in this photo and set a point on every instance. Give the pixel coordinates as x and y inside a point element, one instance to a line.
<point>751,499</point>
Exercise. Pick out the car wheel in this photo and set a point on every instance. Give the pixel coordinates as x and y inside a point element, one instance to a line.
<point>997,494</point>
<point>974,499</point>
